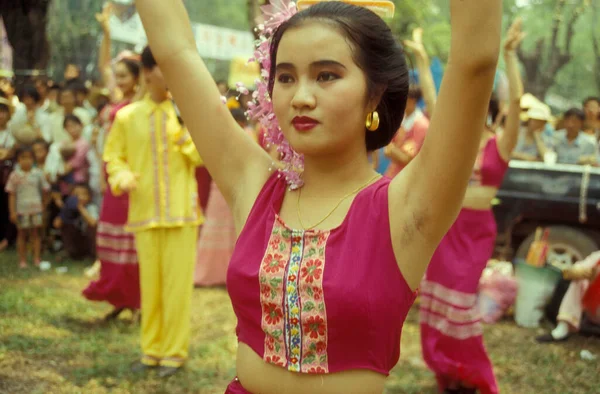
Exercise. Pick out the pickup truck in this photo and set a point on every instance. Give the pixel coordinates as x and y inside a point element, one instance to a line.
<point>561,197</point>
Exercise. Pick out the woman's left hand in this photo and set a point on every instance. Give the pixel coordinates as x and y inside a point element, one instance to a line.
<point>514,37</point>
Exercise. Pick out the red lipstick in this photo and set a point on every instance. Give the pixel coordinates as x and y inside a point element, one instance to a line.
<point>304,123</point>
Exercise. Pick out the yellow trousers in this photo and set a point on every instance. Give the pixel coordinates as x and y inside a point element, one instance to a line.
<point>167,257</point>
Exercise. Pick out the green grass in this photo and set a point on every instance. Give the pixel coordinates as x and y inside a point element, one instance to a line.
<point>52,340</point>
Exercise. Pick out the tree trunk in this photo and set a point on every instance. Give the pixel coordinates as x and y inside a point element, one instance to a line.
<point>25,23</point>
<point>596,45</point>
<point>547,58</point>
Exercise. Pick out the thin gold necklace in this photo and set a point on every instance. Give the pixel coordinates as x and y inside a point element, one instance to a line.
<point>334,208</point>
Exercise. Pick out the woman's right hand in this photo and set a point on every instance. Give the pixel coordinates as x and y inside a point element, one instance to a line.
<point>103,18</point>
<point>416,44</point>
<point>13,217</point>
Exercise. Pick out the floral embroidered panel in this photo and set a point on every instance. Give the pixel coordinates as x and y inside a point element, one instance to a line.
<point>294,317</point>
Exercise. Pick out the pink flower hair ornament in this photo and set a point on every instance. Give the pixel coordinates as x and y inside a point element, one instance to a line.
<point>260,108</point>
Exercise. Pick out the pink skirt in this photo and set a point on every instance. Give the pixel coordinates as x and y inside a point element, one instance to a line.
<point>451,330</point>
<point>216,242</point>
<point>119,282</point>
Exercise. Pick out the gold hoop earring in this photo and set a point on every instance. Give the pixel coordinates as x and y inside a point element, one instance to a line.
<point>372,121</point>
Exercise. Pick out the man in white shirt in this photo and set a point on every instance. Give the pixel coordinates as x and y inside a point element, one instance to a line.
<point>30,120</point>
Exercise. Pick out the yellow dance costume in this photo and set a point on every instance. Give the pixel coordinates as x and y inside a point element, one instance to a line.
<point>147,140</point>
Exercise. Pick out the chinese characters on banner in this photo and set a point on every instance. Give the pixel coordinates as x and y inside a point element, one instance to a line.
<point>212,42</point>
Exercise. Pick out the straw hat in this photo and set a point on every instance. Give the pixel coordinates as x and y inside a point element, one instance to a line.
<point>539,112</point>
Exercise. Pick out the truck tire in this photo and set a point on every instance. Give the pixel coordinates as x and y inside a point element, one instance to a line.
<point>567,244</point>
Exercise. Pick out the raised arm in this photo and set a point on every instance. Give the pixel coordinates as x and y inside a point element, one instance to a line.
<point>425,198</point>
<point>508,140</point>
<point>104,57</point>
<point>237,164</point>
<point>423,66</point>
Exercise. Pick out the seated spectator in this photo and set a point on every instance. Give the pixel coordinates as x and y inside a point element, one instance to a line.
<point>531,137</point>
<point>571,308</point>
<point>591,106</point>
<point>77,223</point>
<point>570,144</point>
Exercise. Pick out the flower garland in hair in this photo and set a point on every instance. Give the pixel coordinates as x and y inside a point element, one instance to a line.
<point>261,108</point>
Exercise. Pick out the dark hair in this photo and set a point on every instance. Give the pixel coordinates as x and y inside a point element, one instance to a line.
<point>5,108</point>
<point>494,108</point>
<point>148,61</point>
<point>72,118</point>
<point>238,115</point>
<point>376,53</point>
<point>591,98</point>
<point>42,142</point>
<point>576,112</point>
<point>84,185</point>
<point>31,92</point>
<point>414,92</point>
<point>77,87</point>
<point>22,149</point>
<point>132,66</point>
<point>55,86</point>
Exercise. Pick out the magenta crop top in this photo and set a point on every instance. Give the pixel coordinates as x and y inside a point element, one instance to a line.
<point>490,167</point>
<point>320,301</point>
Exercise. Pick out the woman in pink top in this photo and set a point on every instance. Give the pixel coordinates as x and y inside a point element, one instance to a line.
<point>451,332</point>
<point>324,270</point>
<point>119,272</point>
<point>409,140</point>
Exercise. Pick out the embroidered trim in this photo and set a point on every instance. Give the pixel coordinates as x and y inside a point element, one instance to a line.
<point>294,316</point>
<point>122,257</point>
<point>156,187</point>
<point>453,314</point>
<point>271,273</point>
<point>293,327</point>
<point>170,221</point>
<point>453,297</point>
<point>165,164</point>
<point>115,243</point>
<point>112,229</point>
<point>448,328</point>
<point>314,315</point>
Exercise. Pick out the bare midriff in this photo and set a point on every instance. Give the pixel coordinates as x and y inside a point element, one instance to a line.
<point>258,377</point>
<point>480,198</point>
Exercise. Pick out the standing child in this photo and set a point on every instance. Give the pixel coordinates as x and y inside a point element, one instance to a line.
<point>27,188</point>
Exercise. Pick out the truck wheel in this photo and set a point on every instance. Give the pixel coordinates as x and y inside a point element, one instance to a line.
<point>567,245</point>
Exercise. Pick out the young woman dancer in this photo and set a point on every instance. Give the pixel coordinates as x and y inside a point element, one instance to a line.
<point>119,272</point>
<point>324,272</point>
<point>451,332</point>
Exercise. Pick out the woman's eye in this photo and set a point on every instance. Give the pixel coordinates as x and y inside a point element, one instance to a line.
<point>327,77</point>
<point>285,78</point>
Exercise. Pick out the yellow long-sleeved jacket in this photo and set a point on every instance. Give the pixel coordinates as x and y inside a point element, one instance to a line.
<point>147,139</point>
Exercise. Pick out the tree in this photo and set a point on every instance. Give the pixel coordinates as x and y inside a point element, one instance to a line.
<point>25,23</point>
<point>548,56</point>
<point>596,44</point>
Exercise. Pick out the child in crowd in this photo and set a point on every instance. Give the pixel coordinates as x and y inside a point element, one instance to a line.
<point>40,152</point>
<point>77,223</point>
<point>27,188</point>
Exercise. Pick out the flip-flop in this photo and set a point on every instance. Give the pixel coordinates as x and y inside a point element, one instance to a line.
<point>548,338</point>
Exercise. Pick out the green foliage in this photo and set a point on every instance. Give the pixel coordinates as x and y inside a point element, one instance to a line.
<point>75,36</point>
